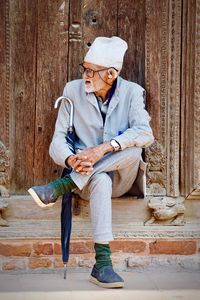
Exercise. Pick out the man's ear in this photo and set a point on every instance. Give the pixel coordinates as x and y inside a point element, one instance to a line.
<point>112,73</point>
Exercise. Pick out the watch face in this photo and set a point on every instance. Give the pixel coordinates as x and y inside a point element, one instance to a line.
<point>115,145</point>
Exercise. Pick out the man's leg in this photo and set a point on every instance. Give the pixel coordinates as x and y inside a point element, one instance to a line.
<point>99,191</point>
<point>48,194</point>
<point>110,162</point>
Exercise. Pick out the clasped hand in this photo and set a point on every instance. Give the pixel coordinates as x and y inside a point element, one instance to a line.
<point>83,161</point>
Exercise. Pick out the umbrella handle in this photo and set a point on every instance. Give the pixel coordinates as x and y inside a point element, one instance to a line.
<point>71,110</point>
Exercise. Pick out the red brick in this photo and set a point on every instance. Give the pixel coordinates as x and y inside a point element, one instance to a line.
<point>36,262</point>
<point>81,247</point>
<point>58,263</point>
<point>173,247</point>
<point>128,246</point>
<point>15,249</point>
<point>57,249</point>
<point>43,249</point>
<point>14,264</point>
<point>86,261</point>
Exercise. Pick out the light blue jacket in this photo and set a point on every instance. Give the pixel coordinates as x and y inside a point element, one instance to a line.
<point>126,121</point>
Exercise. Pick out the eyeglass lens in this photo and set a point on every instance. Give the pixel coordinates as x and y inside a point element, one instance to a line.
<point>89,72</point>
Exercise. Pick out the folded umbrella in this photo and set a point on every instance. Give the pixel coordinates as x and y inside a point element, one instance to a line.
<point>66,211</point>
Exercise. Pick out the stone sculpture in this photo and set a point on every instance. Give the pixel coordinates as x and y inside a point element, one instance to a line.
<point>166,211</point>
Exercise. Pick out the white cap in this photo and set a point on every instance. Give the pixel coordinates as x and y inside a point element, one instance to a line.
<point>107,52</point>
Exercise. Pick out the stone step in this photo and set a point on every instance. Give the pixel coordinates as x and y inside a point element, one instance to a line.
<point>26,219</point>
<point>22,207</point>
<point>32,240</point>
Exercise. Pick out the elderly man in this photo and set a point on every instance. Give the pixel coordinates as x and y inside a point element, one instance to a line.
<point>111,128</point>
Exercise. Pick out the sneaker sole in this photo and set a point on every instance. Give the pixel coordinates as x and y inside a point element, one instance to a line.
<point>38,200</point>
<point>106,285</point>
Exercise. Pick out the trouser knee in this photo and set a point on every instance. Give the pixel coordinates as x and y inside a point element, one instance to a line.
<point>134,153</point>
<point>100,182</point>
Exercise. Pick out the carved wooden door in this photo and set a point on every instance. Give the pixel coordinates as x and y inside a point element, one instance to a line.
<point>42,44</point>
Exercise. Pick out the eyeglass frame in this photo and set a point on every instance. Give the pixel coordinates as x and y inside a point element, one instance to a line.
<point>94,71</point>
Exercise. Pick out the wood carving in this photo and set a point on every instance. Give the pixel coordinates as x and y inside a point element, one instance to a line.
<point>4,170</point>
<point>166,211</point>
<point>3,206</point>
<point>155,158</point>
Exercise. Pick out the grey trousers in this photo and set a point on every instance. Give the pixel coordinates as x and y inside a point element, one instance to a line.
<point>112,176</point>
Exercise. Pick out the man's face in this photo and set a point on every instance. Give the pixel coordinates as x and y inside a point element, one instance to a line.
<point>98,81</point>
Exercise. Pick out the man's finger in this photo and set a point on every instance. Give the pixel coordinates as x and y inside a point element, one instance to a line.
<point>83,169</point>
<point>76,163</point>
<point>86,164</point>
<point>81,157</point>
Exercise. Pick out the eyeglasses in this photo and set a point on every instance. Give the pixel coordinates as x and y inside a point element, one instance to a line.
<point>90,72</point>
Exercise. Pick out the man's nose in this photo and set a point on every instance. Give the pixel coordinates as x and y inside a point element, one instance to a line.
<point>85,76</point>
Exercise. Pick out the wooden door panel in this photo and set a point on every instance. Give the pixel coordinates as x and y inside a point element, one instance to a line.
<point>42,43</point>
<point>52,52</point>
<point>23,61</point>
<point>99,19</point>
<point>3,71</point>
<point>131,27</point>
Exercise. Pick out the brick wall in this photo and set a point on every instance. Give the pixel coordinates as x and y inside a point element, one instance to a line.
<point>46,254</point>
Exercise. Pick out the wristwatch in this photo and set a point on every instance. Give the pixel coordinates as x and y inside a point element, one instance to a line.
<point>115,145</point>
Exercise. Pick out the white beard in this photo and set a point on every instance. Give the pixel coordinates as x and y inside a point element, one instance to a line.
<point>89,88</point>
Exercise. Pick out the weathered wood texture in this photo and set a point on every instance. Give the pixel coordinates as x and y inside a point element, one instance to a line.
<point>42,43</point>
<point>131,27</point>
<point>3,56</point>
<point>98,20</point>
<point>162,81</point>
<point>173,99</point>
<point>154,28</point>
<point>75,39</point>
<point>190,98</point>
<point>23,20</point>
<point>52,53</point>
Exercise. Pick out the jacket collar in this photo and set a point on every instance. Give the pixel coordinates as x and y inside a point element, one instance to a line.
<point>113,97</point>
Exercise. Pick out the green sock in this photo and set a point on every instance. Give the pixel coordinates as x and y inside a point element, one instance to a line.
<point>62,185</point>
<point>102,255</point>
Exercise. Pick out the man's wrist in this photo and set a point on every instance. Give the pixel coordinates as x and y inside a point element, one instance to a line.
<point>67,161</point>
<point>106,147</point>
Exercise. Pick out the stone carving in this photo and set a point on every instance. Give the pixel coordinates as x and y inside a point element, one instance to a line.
<point>4,170</point>
<point>3,206</point>
<point>155,158</point>
<point>166,211</point>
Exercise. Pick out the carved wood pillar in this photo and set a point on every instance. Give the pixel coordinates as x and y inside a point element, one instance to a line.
<point>5,99</point>
<point>163,52</point>
<point>190,98</point>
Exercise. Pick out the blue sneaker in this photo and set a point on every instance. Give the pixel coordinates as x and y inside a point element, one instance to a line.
<point>106,277</point>
<point>43,195</point>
